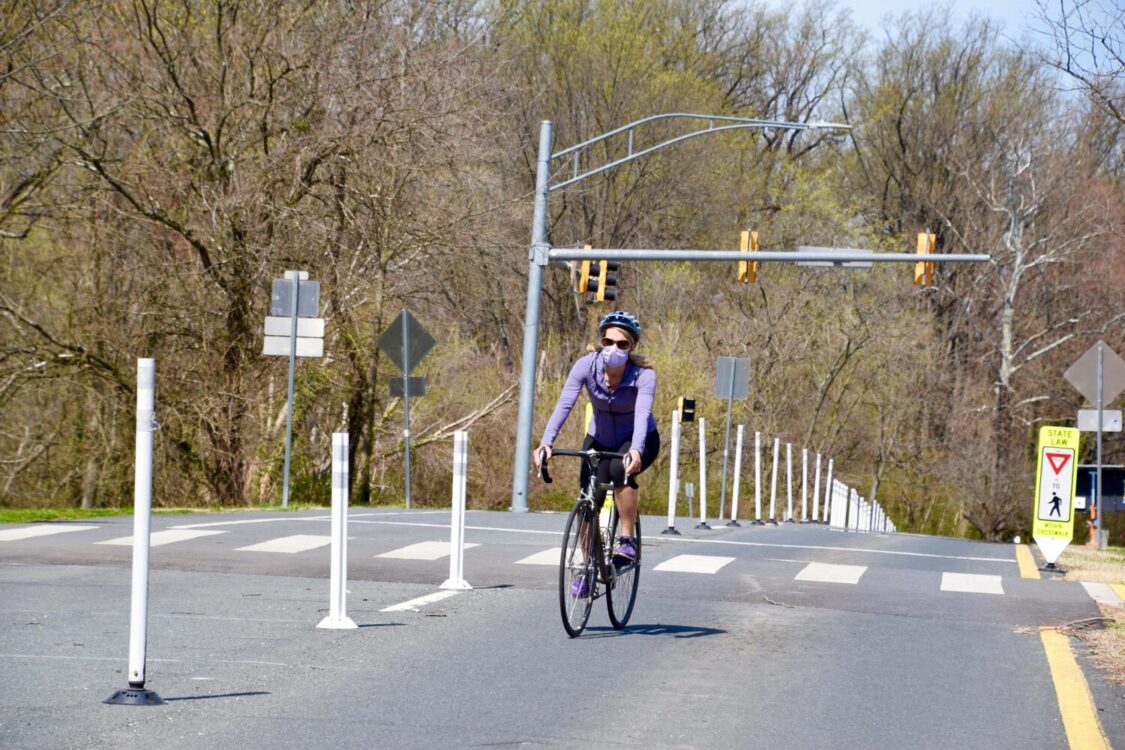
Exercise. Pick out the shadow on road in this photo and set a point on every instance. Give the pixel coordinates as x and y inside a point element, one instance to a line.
<point>675,631</point>
<point>216,695</point>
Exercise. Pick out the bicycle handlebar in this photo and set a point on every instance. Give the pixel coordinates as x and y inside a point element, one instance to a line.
<point>589,455</point>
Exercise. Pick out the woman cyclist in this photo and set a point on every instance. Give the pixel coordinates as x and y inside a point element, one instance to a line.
<point>621,385</point>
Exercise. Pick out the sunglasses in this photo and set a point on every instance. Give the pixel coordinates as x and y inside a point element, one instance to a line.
<point>619,343</point>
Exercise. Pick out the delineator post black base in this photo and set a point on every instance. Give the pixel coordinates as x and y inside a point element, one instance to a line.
<point>702,525</point>
<point>733,523</point>
<point>671,530</point>
<point>132,696</point>
<point>757,522</point>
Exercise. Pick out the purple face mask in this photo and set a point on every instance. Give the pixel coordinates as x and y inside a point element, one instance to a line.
<point>614,357</point>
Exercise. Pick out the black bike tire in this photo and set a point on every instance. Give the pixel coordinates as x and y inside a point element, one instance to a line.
<point>621,594</point>
<point>576,612</point>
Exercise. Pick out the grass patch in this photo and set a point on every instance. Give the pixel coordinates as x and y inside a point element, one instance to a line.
<point>1093,565</point>
<point>33,515</point>
<point>40,515</point>
<point>1107,644</point>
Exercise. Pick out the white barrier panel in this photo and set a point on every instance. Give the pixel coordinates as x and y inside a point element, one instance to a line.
<point>456,578</point>
<point>702,475</point>
<point>773,483</point>
<point>136,694</point>
<point>337,618</point>
<point>839,494</point>
<point>737,477</point>
<point>816,494</point>
<point>674,475</point>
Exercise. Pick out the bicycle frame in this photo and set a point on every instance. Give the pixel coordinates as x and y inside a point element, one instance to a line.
<point>588,494</point>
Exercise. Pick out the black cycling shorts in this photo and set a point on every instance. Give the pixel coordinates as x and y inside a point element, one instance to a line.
<point>613,470</point>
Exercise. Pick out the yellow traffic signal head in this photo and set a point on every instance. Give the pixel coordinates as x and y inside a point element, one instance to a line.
<point>748,270</point>
<point>924,271</point>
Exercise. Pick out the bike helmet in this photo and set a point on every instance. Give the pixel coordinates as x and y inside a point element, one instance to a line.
<point>623,320</point>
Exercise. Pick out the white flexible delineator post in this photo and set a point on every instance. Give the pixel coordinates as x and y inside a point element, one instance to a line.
<point>337,618</point>
<point>737,476</point>
<point>702,475</point>
<point>757,479</point>
<point>804,485</point>
<point>773,483</point>
<point>136,694</point>
<point>789,483</point>
<point>456,580</point>
<point>674,474</point>
<point>142,520</point>
<point>816,494</point>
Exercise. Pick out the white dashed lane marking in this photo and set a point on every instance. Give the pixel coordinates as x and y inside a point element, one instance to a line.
<point>158,538</point>
<point>971,583</point>
<point>830,573</point>
<point>706,564</point>
<point>289,544</point>
<point>47,529</point>
<point>546,557</point>
<point>423,551</point>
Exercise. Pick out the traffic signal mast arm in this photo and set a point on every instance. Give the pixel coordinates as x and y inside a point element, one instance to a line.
<point>764,256</point>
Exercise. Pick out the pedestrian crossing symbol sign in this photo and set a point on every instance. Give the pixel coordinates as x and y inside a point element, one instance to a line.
<point>1055,479</point>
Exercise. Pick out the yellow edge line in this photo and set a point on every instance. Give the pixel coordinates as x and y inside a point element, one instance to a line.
<point>1028,568</point>
<point>1080,717</point>
<point>1118,589</point>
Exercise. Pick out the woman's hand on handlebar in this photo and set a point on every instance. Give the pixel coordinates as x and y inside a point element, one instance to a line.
<point>632,462</point>
<point>541,456</point>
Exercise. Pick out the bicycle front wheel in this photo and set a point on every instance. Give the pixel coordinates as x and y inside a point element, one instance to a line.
<point>621,594</point>
<point>577,573</point>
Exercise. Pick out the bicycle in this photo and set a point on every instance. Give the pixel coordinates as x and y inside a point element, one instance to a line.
<point>586,562</point>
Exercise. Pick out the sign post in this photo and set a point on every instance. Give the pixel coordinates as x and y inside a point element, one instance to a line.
<point>1055,478</point>
<point>732,383</point>
<point>293,330</point>
<point>1099,375</point>
<point>406,342</point>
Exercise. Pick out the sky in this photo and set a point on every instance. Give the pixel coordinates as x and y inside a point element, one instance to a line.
<point>1014,14</point>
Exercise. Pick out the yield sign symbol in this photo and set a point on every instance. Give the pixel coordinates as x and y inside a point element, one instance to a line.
<point>1057,460</point>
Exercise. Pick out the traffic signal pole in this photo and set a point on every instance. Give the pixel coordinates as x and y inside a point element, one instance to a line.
<point>541,253</point>
<point>538,259</point>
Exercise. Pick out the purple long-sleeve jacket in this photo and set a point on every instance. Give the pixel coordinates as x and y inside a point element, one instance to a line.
<point>620,415</point>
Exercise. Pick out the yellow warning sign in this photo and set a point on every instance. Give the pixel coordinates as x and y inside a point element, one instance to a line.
<point>1055,478</point>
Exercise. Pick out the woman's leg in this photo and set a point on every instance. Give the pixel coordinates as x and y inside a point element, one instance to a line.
<point>626,500</point>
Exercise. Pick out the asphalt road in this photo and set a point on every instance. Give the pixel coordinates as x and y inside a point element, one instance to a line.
<point>736,640</point>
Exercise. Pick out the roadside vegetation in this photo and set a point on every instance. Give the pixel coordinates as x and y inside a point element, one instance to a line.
<point>161,163</point>
<point>1107,643</point>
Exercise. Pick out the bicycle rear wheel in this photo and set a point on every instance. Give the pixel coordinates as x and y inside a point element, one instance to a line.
<point>621,594</point>
<point>577,574</point>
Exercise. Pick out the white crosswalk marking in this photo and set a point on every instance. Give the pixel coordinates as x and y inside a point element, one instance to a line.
<point>423,551</point>
<point>706,564</point>
<point>829,573</point>
<point>421,601</point>
<point>47,529</point>
<point>546,557</point>
<point>157,538</point>
<point>971,583</point>
<point>1103,594</point>
<point>289,544</point>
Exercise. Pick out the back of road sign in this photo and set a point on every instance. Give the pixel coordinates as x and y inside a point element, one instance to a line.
<point>1055,479</point>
